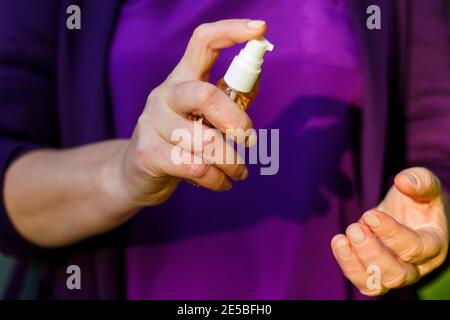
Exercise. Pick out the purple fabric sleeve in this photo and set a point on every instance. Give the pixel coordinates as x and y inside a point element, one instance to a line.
<point>28,113</point>
<point>428,97</point>
<point>428,100</point>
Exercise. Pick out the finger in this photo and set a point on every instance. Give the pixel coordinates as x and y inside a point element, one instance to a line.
<point>191,167</point>
<point>222,155</point>
<point>351,266</point>
<point>420,184</point>
<point>202,98</point>
<point>205,142</point>
<point>206,42</point>
<point>410,246</point>
<point>187,134</point>
<point>393,273</point>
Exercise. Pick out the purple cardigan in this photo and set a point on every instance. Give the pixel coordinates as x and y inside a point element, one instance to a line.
<point>54,81</point>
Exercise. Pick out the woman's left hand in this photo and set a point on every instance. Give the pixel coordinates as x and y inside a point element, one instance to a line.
<point>400,241</point>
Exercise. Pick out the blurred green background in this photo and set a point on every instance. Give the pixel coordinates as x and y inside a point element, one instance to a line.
<point>439,289</point>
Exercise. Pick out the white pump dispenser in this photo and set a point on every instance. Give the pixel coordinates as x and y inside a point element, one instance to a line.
<point>246,67</point>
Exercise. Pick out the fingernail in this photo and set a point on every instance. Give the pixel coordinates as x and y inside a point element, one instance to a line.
<point>372,220</point>
<point>411,178</point>
<point>255,24</point>
<point>356,234</point>
<point>244,174</point>
<point>344,250</point>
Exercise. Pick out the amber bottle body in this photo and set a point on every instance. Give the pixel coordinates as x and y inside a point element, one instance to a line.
<point>242,99</point>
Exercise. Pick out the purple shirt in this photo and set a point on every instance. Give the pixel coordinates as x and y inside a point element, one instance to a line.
<point>269,237</point>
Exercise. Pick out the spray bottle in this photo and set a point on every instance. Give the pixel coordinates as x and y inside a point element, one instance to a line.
<point>241,81</point>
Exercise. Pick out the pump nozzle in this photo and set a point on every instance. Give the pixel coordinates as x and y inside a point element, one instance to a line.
<point>246,67</point>
<point>256,48</point>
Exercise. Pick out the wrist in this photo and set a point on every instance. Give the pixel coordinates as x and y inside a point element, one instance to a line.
<point>115,197</point>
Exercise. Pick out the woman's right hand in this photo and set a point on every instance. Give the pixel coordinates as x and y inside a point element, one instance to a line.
<point>57,197</point>
<point>146,172</point>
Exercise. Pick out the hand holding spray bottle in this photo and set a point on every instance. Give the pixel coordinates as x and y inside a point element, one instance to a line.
<point>241,81</point>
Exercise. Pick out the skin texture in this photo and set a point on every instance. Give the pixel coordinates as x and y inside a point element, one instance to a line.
<point>59,197</point>
<point>405,236</point>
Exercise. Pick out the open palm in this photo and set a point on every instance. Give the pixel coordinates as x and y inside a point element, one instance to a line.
<point>406,236</point>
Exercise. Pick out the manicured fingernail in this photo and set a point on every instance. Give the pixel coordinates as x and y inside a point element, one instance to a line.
<point>411,178</point>
<point>344,250</point>
<point>244,174</point>
<point>372,220</point>
<point>356,234</point>
<point>255,24</point>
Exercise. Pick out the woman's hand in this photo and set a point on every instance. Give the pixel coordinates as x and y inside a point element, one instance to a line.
<point>148,174</point>
<point>58,197</point>
<point>404,238</point>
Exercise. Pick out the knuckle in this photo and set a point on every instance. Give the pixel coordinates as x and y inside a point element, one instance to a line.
<point>153,97</point>
<point>439,260</point>
<point>392,229</point>
<point>200,33</point>
<point>244,123</point>
<point>390,234</point>
<point>396,281</point>
<point>181,89</point>
<point>413,253</point>
<point>370,255</point>
<point>197,170</point>
<point>351,271</point>
<point>208,95</point>
<point>434,244</point>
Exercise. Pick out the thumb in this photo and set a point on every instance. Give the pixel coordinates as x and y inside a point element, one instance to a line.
<point>418,183</point>
<point>206,42</point>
